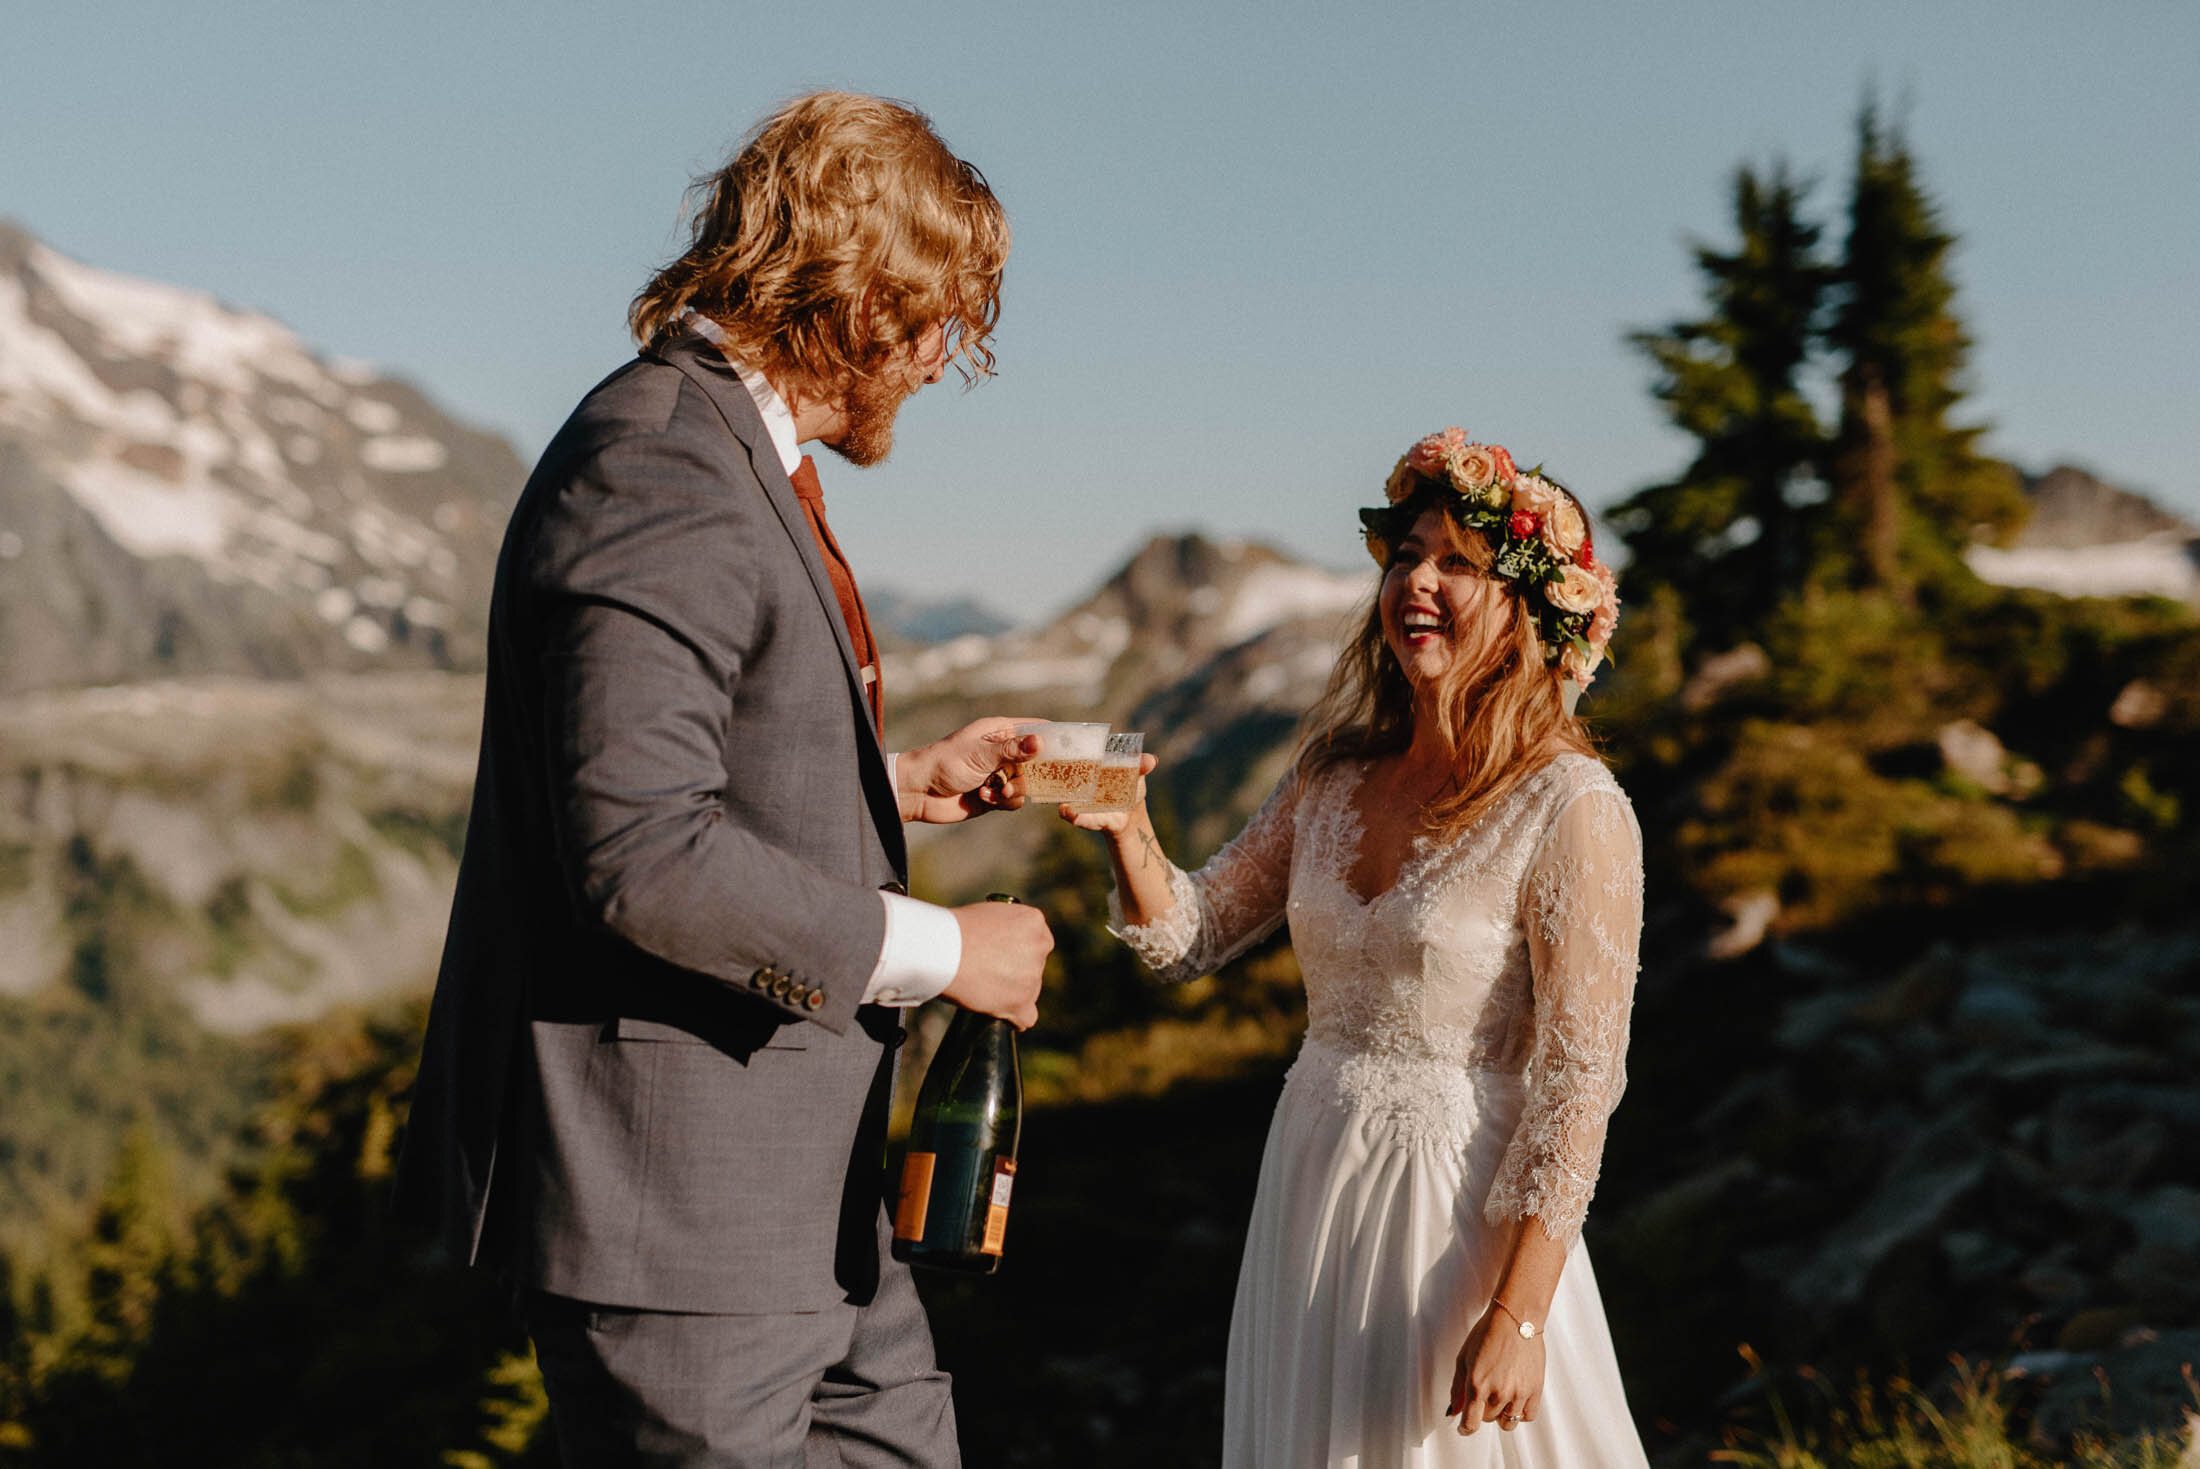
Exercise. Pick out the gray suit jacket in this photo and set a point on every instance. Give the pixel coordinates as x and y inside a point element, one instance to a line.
<point>648,1080</point>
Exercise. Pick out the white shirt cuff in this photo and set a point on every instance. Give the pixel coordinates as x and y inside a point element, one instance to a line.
<point>893,773</point>
<point>923,949</point>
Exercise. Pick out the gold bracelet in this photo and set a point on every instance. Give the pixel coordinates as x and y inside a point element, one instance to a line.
<point>1528,1328</point>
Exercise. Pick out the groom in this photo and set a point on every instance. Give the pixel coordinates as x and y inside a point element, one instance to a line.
<point>654,1087</point>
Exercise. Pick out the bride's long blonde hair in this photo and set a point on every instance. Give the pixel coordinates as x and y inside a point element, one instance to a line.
<point>1500,716</point>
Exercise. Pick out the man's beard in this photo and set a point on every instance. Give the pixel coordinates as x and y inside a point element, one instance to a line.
<point>869,410</point>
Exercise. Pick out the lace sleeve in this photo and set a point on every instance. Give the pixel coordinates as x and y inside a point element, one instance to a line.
<point>1582,907</point>
<point>1227,906</point>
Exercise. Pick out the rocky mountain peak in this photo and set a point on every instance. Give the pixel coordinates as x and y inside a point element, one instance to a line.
<point>186,487</point>
<point>2071,508</point>
<point>2087,538</point>
<point>1177,603</point>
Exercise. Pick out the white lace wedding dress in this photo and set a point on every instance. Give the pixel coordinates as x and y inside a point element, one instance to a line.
<point>1466,1040</point>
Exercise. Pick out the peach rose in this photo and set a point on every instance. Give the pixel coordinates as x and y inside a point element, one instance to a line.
<point>1505,470</point>
<point>1582,670</point>
<point>1471,467</point>
<point>1563,528</point>
<point>1536,496</point>
<point>1575,590</point>
<point>1403,481</point>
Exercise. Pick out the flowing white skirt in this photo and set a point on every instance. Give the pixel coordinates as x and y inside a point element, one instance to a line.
<point>1367,1262</point>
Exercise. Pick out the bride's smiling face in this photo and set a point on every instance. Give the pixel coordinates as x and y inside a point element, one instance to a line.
<point>1435,605</point>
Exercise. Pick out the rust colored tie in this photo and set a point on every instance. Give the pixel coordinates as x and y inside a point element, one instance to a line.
<point>852,615</point>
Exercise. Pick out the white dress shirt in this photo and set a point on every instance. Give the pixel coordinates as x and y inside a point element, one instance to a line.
<point>923,945</point>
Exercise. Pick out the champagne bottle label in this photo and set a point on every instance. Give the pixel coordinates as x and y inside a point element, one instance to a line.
<point>916,1196</point>
<point>996,1213</point>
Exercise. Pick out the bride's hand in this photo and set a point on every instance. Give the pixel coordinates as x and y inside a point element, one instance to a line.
<point>1114,823</point>
<point>1498,1378</point>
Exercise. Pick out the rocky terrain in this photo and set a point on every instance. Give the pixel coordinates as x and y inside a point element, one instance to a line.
<point>186,488</point>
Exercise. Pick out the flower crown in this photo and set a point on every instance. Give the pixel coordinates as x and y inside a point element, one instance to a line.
<point>1536,529</point>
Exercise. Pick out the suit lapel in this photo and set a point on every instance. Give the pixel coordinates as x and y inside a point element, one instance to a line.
<point>685,352</point>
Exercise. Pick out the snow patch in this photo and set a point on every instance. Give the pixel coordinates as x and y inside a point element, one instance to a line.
<point>150,516</point>
<point>365,634</point>
<point>372,415</point>
<point>1281,592</point>
<point>380,591</point>
<point>38,368</point>
<point>409,455</point>
<point>1107,636</point>
<point>2159,566</point>
<point>203,339</point>
<point>1022,675</point>
<point>421,612</point>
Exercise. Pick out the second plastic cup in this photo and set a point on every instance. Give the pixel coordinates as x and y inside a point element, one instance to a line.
<point>1117,787</point>
<point>1067,767</point>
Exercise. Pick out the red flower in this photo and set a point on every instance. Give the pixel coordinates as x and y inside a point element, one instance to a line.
<point>1525,523</point>
<point>1587,555</point>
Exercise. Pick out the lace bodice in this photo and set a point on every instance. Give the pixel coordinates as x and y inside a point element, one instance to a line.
<point>1511,949</point>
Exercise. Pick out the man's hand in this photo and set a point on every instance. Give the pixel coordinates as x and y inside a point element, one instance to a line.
<point>1004,950</point>
<point>971,772</point>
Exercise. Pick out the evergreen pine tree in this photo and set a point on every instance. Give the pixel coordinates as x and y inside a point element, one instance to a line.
<point>1911,487</point>
<point>1732,534</point>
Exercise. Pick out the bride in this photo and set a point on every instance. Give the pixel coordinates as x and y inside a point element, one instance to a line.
<point>1463,881</point>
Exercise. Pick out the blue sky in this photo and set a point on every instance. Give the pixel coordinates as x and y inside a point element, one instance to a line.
<point>1258,248</point>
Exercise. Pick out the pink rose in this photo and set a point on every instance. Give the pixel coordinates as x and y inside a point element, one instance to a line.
<point>1428,456</point>
<point>1576,590</point>
<point>1601,623</point>
<point>1505,470</point>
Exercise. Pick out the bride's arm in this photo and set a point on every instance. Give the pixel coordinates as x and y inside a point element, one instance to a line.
<point>1582,909</point>
<point>1183,925</point>
<point>1583,913</point>
<point>1500,1371</point>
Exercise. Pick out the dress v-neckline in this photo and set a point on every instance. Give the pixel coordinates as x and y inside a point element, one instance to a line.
<point>1353,839</point>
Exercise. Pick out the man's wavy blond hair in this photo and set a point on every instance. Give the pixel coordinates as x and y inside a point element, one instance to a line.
<point>843,229</point>
<point>1501,716</point>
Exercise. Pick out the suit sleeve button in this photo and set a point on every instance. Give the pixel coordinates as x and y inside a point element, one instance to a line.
<point>763,978</point>
<point>780,986</point>
<point>816,1001</point>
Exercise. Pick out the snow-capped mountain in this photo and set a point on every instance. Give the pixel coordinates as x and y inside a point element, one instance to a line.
<point>1212,649</point>
<point>2087,538</point>
<point>1174,606</point>
<point>186,487</point>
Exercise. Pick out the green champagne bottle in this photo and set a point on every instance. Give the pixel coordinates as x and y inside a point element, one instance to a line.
<point>961,1164</point>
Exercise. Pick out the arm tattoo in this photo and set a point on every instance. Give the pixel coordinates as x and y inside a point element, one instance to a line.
<point>1153,856</point>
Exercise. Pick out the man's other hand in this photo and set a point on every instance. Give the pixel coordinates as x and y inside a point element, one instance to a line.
<point>1004,951</point>
<point>972,771</point>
